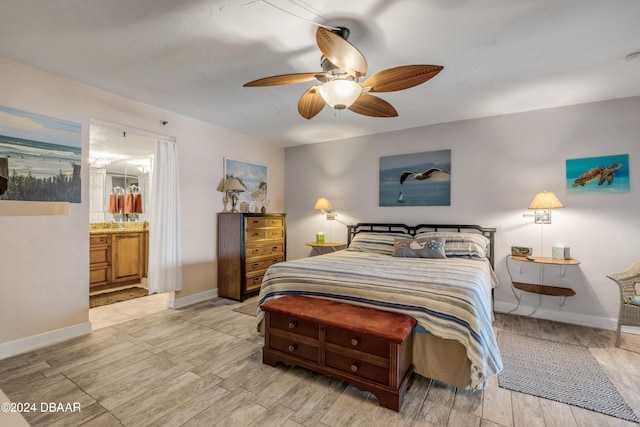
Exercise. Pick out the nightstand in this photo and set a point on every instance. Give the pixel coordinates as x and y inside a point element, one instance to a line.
<point>540,288</point>
<point>323,248</point>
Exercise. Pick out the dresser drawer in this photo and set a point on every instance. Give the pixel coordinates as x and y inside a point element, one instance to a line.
<point>261,265</point>
<point>264,234</point>
<point>361,342</point>
<point>257,250</point>
<point>253,283</point>
<point>251,223</point>
<point>294,325</point>
<point>358,367</point>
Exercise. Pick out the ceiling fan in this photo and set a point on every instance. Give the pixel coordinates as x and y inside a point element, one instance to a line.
<point>342,68</point>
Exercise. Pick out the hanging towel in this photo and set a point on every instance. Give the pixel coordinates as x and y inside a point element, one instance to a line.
<point>112,204</point>
<point>120,203</point>
<point>137,203</point>
<point>128,204</point>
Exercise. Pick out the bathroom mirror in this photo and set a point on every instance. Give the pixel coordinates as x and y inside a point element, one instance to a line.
<point>120,161</point>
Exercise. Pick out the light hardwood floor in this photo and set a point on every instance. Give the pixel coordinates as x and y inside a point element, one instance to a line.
<point>201,366</point>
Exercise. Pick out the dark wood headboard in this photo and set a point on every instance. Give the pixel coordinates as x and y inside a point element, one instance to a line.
<point>371,227</point>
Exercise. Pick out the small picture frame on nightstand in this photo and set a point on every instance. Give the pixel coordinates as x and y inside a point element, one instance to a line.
<point>522,251</point>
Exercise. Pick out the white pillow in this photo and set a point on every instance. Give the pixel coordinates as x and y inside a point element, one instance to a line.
<point>381,243</point>
<point>471,245</point>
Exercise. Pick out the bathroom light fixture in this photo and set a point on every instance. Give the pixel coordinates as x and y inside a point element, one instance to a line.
<point>324,206</point>
<point>543,202</point>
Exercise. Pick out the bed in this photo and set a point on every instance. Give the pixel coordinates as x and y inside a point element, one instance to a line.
<point>441,275</point>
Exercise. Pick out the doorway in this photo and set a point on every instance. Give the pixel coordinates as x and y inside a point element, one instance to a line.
<point>121,159</point>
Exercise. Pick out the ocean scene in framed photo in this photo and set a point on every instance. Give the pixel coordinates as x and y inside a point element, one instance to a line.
<point>252,176</point>
<point>417,179</point>
<point>605,174</point>
<point>40,157</point>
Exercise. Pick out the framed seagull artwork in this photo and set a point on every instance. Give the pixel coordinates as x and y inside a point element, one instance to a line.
<point>417,179</point>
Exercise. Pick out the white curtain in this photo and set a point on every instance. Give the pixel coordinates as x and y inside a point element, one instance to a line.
<point>165,259</point>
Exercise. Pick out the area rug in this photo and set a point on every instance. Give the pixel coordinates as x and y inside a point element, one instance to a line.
<point>249,307</point>
<point>116,296</point>
<point>562,372</point>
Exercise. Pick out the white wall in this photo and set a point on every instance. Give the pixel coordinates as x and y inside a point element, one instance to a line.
<point>44,260</point>
<point>498,165</point>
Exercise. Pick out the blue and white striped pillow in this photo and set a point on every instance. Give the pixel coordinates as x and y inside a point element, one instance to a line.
<point>470,245</point>
<point>381,243</point>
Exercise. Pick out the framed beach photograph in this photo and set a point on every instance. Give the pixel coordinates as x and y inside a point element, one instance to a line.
<point>40,157</point>
<point>253,178</point>
<point>417,179</point>
<point>605,174</point>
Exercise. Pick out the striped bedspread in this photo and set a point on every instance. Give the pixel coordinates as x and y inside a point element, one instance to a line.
<point>450,298</point>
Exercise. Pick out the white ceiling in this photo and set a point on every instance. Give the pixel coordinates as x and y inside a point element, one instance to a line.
<point>193,56</point>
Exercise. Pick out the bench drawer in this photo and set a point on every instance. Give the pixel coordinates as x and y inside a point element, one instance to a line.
<point>358,367</point>
<point>361,342</point>
<point>294,347</point>
<point>294,325</point>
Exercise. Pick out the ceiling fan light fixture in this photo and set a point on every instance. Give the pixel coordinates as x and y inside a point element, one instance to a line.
<point>340,94</point>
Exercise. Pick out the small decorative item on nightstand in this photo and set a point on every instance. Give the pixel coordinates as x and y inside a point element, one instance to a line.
<point>521,251</point>
<point>560,251</point>
<point>320,237</point>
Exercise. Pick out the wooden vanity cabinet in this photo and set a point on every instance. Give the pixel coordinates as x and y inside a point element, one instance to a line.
<point>127,262</point>
<point>99,261</point>
<point>117,259</point>
<point>248,243</point>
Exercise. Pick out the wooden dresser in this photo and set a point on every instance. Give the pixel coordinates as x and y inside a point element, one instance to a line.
<point>370,349</point>
<point>248,243</point>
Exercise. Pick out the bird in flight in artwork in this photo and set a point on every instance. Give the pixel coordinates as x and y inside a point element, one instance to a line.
<point>421,176</point>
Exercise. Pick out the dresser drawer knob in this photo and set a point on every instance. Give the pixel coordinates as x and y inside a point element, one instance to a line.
<point>355,342</point>
<point>293,347</point>
<point>274,249</point>
<point>256,265</point>
<point>292,325</point>
<point>354,367</point>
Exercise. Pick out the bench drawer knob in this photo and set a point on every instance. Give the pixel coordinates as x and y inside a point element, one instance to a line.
<point>355,342</point>
<point>292,325</point>
<point>293,347</point>
<point>354,367</point>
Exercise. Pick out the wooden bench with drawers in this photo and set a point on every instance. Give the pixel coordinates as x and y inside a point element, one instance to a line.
<point>367,348</point>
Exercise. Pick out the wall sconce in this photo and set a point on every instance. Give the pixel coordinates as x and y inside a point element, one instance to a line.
<point>231,187</point>
<point>325,208</point>
<point>543,202</point>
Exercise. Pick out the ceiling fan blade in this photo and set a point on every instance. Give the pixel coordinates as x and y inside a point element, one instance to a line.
<point>403,77</point>
<point>341,53</point>
<point>311,103</point>
<point>369,105</point>
<point>286,79</point>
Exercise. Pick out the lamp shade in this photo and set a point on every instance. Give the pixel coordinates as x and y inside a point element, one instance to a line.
<point>545,200</point>
<point>323,204</point>
<point>233,184</point>
<point>340,94</point>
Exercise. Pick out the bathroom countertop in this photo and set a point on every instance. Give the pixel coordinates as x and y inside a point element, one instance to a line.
<point>118,227</point>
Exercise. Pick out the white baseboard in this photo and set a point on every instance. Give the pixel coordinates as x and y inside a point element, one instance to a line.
<point>192,299</point>
<point>563,317</point>
<point>23,345</point>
